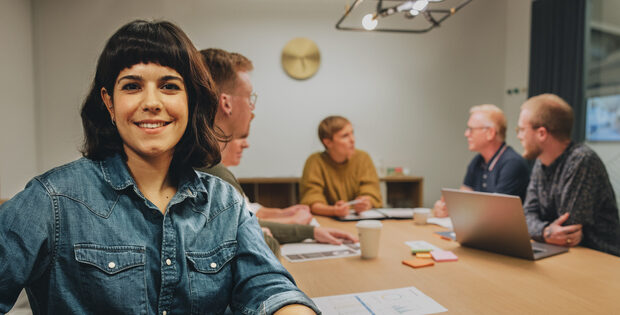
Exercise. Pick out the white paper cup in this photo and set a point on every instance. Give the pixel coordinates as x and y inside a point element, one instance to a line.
<point>420,215</point>
<point>369,232</point>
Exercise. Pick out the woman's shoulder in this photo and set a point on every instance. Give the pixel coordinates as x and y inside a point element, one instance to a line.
<point>318,157</point>
<point>218,188</point>
<point>72,178</point>
<point>72,173</point>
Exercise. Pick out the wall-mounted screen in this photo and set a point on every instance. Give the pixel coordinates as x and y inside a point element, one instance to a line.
<point>603,118</point>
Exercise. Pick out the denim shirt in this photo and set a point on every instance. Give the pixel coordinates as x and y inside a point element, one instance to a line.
<point>82,239</point>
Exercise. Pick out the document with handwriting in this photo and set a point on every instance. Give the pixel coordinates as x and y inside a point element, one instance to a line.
<point>407,300</point>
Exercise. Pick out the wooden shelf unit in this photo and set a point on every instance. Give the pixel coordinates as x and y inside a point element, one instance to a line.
<point>281,192</point>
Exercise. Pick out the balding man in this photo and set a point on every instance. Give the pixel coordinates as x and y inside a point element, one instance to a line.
<point>570,200</point>
<point>497,168</point>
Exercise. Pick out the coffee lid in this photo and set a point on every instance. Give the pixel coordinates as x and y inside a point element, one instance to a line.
<point>369,224</point>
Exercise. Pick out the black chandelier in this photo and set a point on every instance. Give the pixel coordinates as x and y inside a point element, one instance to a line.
<point>427,15</point>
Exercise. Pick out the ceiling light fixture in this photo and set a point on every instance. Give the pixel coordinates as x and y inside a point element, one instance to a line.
<point>431,11</point>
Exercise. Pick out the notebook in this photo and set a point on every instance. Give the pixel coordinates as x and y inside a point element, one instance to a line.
<point>494,222</point>
<point>379,214</point>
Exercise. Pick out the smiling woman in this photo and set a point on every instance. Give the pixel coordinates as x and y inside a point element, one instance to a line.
<point>131,228</point>
<point>149,110</point>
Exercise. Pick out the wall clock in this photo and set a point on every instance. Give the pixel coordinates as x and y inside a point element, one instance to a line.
<point>301,58</point>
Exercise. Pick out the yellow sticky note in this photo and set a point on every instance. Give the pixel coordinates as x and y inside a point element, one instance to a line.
<point>423,255</point>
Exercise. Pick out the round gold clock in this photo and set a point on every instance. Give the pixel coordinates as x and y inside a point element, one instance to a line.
<point>301,58</point>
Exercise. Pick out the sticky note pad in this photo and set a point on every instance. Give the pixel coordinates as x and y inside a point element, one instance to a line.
<point>418,263</point>
<point>421,246</point>
<point>423,255</point>
<point>443,255</point>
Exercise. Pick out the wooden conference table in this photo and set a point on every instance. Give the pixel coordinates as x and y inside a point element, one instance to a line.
<point>582,281</point>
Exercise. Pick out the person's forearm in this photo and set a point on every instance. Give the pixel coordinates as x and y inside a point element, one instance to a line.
<point>295,309</point>
<point>266,213</point>
<point>322,209</point>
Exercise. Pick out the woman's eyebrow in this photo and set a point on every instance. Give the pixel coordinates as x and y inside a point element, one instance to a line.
<point>171,77</point>
<point>130,77</point>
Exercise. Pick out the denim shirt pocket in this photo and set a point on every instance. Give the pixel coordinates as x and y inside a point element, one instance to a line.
<point>210,278</point>
<point>113,278</point>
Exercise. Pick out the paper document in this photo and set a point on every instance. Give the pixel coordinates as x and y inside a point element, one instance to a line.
<point>379,214</point>
<point>387,302</point>
<point>298,252</point>
<point>445,222</point>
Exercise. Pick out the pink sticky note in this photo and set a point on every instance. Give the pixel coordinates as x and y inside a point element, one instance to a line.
<point>443,255</point>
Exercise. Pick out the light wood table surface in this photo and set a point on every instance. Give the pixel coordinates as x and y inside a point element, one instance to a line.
<point>582,281</point>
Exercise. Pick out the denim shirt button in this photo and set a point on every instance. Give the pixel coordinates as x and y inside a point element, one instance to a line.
<point>111,265</point>
<point>168,262</point>
<point>164,313</point>
<point>213,265</point>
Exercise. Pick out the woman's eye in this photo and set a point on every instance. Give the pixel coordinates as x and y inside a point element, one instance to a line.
<point>170,86</point>
<point>130,86</point>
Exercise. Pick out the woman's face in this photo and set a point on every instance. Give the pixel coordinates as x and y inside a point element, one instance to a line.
<point>232,153</point>
<point>342,146</point>
<point>149,107</point>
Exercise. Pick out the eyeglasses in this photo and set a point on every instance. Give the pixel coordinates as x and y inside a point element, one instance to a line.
<point>520,130</point>
<point>251,99</point>
<point>470,129</point>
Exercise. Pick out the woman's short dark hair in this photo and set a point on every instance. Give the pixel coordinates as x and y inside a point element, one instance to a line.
<point>165,44</point>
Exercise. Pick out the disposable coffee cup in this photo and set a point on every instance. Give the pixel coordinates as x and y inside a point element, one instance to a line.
<point>369,232</point>
<point>420,215</point>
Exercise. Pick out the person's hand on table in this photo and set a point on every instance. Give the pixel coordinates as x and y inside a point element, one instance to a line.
<point>363,204</point>
<point>341,208</point>
<point>292,210</point>
<point>332,236</point>
<point>570,235</point>
<point>439,209</point>
<point>303,216</point>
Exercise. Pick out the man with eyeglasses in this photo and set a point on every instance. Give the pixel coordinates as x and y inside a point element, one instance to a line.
<point>497,168</point>
<point>236,102</point>
<point>231,72</point>
<point>570,200</point>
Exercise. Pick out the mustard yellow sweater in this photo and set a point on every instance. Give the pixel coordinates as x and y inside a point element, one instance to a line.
<point>326,181</point>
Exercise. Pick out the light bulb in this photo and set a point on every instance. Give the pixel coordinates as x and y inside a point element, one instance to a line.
<point>369,22</point>
<point>414,12</point>
<point>420,5</point>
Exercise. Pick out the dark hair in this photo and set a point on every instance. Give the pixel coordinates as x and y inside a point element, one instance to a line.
<point>223,66</point>
<point>167,45</point>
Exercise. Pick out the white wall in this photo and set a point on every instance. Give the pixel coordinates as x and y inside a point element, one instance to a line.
<point>407,95</point>
<point>17,128</point>
<point>517,41</point>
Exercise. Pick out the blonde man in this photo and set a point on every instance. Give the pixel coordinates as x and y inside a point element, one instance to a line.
<point>570,200</point>
<point>340,174</point>
<point>497,168</point>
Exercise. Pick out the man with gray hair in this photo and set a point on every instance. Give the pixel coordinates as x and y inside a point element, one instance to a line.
<point>497,168</point>
<point>569,200</point>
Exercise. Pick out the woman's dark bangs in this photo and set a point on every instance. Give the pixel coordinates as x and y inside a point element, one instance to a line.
<point>151,48</point>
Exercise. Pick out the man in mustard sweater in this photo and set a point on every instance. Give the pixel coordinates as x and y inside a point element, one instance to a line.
<point>340,174</point>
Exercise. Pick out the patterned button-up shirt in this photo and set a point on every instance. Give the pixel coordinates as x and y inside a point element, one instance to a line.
<point>576,182</point>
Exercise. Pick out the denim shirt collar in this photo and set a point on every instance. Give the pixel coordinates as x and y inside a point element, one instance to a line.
<point>116,174</point>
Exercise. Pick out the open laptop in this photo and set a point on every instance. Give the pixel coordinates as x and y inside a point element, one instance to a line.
<point>494,222</point>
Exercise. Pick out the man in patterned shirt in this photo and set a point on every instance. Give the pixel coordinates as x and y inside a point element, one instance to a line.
<point>569,200</point>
